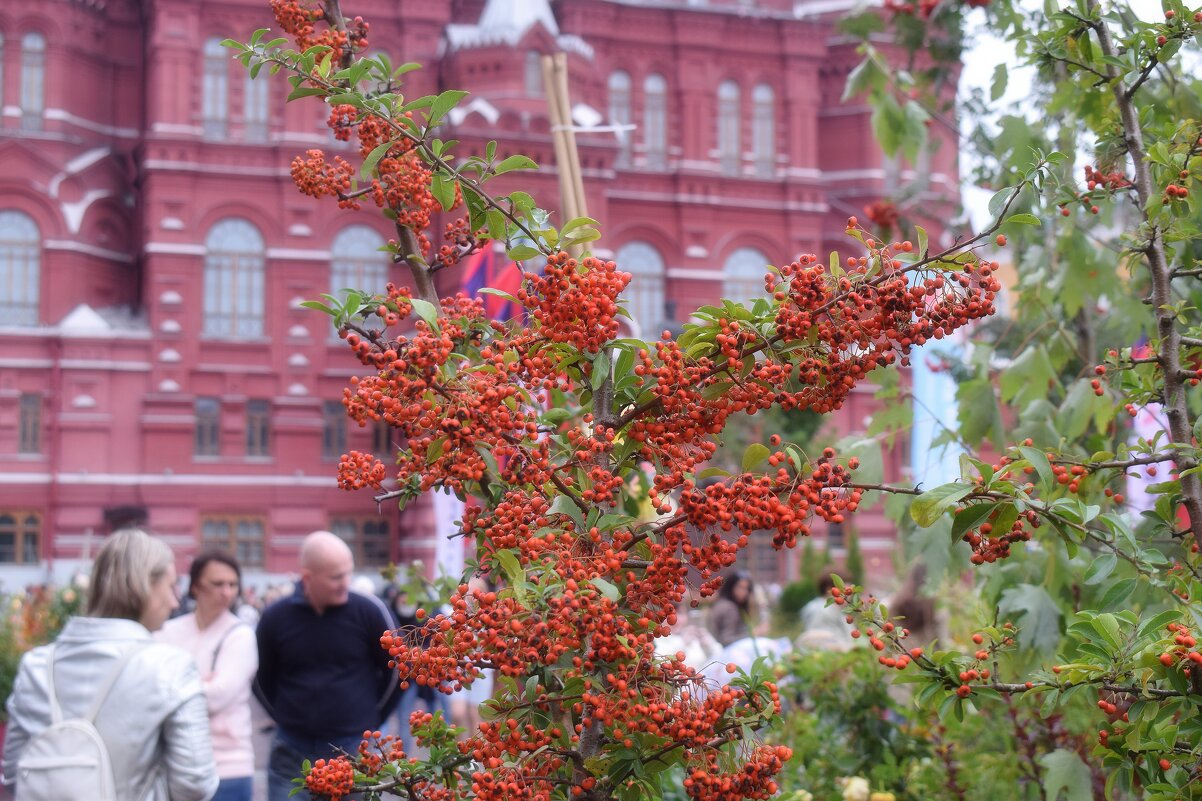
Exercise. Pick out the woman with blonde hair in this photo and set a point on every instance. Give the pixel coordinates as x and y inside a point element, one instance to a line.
<point>143,698</point>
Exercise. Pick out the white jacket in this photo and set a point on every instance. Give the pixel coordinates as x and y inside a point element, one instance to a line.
<point>154,721</point>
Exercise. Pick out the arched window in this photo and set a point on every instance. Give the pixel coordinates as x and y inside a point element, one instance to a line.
<point>743,275</point>
<point>645,294</point>
<point>619,114</point>
<point>357,261</point>
<point>655,121</point>
<point>215,92</point>
<point>33,80</point>
<point>233,278</point>
<point>20,269</point>
<point>534,73</point>
<point>763,130</point>
<point>728,127</point>
<point>256,114</point>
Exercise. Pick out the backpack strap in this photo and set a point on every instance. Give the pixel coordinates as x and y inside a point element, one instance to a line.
<point>56,711</point>
<point>221,642</point>
<point>103,694</point>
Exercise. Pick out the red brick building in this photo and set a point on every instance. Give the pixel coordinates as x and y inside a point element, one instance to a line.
<point>154,363</point>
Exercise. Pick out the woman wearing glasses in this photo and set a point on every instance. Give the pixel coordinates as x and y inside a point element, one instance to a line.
<point>225,651</point>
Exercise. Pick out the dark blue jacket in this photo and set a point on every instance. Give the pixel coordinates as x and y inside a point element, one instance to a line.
<point>325,676</point>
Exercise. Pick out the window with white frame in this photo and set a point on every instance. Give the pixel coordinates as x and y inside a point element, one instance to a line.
<point>655,120</point>
<point>33,80</point>
<point>20,268</point>
<point>240,536</point>
<point>215,108</point>
<point>356,261</point>
<point>255,106</point>
<point>728,127</point>
<point>619,114</point>
<point>368,538</point>
<point>743,275</point>
<point>206,436</point>
<point>763,130</point>
<point>29,437</point>
<point>534,73</point>
<point>20,537</point>
<point>645,294</point>
<point>233,280</point>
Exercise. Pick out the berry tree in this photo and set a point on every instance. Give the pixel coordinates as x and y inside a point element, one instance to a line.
<point>1088,607</point>
<point>552,423</point>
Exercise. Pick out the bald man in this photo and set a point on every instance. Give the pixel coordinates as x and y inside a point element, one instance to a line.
<point>322,675</point>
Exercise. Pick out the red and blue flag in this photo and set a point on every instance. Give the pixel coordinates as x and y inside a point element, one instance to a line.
<point>488,267</point>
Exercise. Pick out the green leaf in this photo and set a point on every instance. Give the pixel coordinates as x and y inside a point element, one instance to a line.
<point>602,370</point>
<point>316,304</point>
<point>425,310</point>
<point>970,517</point>
<point>997,87</point>
<point>998,202</point>
<point>523,252</point>
<point>443,104</point>
<point>509,563</point>
<point>607,588</point>
<point>1065,772</point>
<point>1028,376</point>
<point>866,75</point>
<point>304,91</point>
<point>1100,568</point>
<point>1039,461</point>
<point>515,162</point>
<point>930,506</point>
<point>756,452</point>
<point>1117,593</point>
<point>1040,626</point>
<point>443,189</point>
<point>373,158</point>
<point>1077,409</point>
<point>1023,219</point>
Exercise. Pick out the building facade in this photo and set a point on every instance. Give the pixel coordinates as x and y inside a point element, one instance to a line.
<point>155,365</point>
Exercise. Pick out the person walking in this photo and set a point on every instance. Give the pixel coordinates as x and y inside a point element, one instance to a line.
<point>323,676</point>
<point>152,717</point>
<point>730,614</point>
<point>226,653</point>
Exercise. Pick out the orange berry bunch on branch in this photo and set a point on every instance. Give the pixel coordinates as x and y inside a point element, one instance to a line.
<point>560,432</point>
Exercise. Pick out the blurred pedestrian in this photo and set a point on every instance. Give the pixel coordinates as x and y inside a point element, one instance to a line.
<point>144,698</point>
<point>323,676</point>
<point>226,654</point>
<point>730,614</point>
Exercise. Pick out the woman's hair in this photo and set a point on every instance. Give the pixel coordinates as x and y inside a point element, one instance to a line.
<point>203,560</point>
<point>727,589</point>
<point>124,572</point>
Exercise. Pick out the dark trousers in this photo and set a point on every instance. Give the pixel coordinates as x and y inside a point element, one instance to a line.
<point>289,751</point>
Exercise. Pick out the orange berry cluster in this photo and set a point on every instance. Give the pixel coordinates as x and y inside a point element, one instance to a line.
<point>575,302</point>
<point>989,545</point>
<point>332,778</point>
<point>378,749</point>
<point>706,781</point>
<point>358,470</point>
<point>1185,652</point>
<point>317,178</point>
<point>782,502</point>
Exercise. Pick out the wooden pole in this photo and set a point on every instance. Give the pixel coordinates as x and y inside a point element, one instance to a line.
<point>567,158</point>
